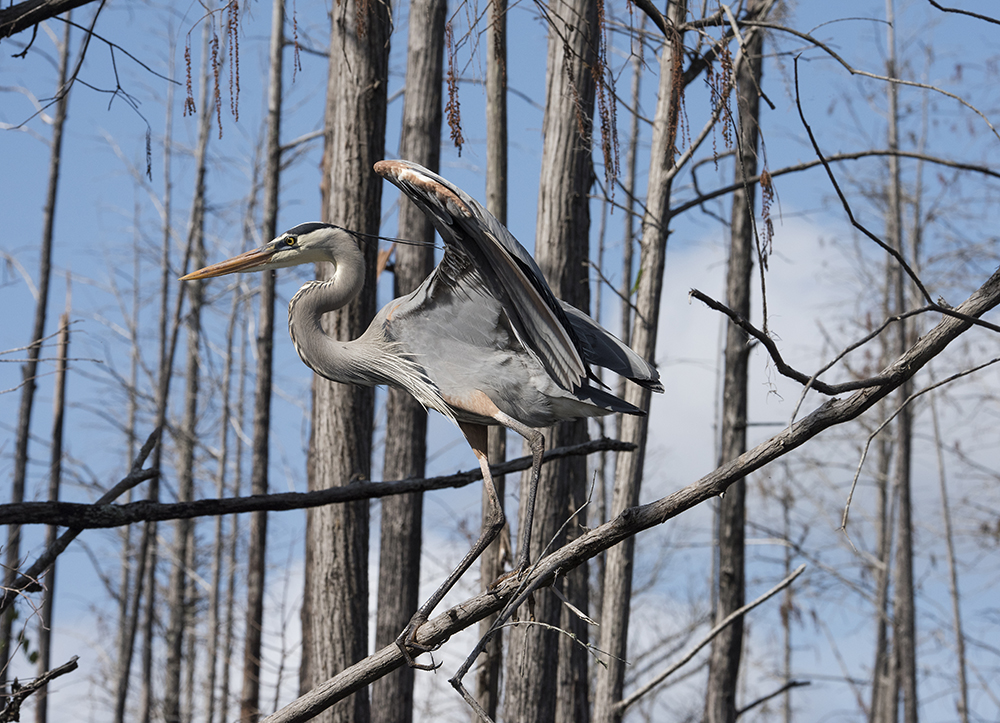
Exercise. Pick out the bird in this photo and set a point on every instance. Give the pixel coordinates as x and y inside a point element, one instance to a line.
<point>483,340</point>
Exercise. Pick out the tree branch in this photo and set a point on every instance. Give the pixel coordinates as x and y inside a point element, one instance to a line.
<point>836,157</point>
<point>28,581</point>
<point>636,519</point>
<point>29,13</point>
<point>19,693</point>
<point>959,11</point>
<point>718,628</point>
<point>98,515</point>
<point>774,694</point>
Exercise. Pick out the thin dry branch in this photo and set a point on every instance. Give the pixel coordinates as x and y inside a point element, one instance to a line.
<point>28,14</point>
<point>854,71</point>
<point>835,158</point>
<point>636,519</point>
<point>773,694</point>
<point>19,693</point>
<point>888,419</point>
<point>100,515</point>
<point>28,581</point>
<point>984,18</point>
<point>718,628</point>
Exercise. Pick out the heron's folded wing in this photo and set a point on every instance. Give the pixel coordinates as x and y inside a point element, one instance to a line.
<point>509,271</point>
<point>604,349</point>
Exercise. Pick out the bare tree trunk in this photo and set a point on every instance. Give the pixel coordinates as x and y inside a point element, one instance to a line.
<point>904,613</point>
<point>191,643</point>
<point>55,478</point>
<point>406,425</point>
<point>335,606</point>
<point>234,537</point>
<point>177,590</point>
<point>219,542</point>
<point>629,468</point>
<point>953,591</point>
<point>30,368</point>
<point>491,564</point>
<point>727,647</point>
<point>547,673</point>
<point>884,688</point>
<point>788,602</point>
<point>257,550</point>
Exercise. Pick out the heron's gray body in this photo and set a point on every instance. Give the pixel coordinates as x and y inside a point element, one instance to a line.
<point>482,340</point>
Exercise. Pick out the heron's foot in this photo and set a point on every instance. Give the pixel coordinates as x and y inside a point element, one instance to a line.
<point>407,641</point>
<point>518,573</point>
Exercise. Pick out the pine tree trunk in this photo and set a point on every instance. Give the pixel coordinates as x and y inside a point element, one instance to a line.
<point>406,425</point>
<point>335,607</point>
<point>727,647</point>
<point>629,468</point>
<point>547,673</point>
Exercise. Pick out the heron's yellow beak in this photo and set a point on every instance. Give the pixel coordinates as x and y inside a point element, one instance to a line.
<point>249,261</point>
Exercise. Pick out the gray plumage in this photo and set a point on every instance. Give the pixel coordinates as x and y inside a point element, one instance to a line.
<point>482,340</point>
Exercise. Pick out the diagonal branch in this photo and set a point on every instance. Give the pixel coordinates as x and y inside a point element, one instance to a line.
<point>718,628</point>
<point>636,519</point>
<point>29,13</point>
<point>19,693</point>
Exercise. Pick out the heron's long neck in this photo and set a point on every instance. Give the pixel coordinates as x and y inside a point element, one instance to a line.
<point>342,361</point>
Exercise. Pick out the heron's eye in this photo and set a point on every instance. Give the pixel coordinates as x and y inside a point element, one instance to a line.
<point>290,241</point>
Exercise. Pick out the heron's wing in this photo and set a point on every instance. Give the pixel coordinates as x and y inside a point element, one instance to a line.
<point>506,268</point>
<point>604,349</point>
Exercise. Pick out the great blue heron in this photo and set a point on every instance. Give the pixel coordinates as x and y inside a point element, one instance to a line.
<point>483,340</point>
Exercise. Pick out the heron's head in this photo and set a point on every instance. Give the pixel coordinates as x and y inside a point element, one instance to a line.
<point>304,244</point>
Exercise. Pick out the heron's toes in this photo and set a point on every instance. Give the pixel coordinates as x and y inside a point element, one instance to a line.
<point>407,642</point>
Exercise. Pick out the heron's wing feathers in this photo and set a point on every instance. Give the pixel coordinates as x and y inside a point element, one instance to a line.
<point>604,349</point>
<point>506,268</point>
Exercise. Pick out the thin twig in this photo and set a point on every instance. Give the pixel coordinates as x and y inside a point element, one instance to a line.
<point>719,627</point>
<point>764,698</point>
<point>879,428</point>
<point>843,199</point>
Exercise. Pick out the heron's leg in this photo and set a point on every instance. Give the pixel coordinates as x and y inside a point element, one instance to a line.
<point>536,440</point>
<point>477,436</point>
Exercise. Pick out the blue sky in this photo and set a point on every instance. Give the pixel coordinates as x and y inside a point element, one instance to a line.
<point>105,208</point>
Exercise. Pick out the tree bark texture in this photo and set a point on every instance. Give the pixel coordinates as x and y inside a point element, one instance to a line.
<point>406,419</point>
<point>629,469</point>
<point>335,608</point>
<point>546,672</point>
<point>727,647</point>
